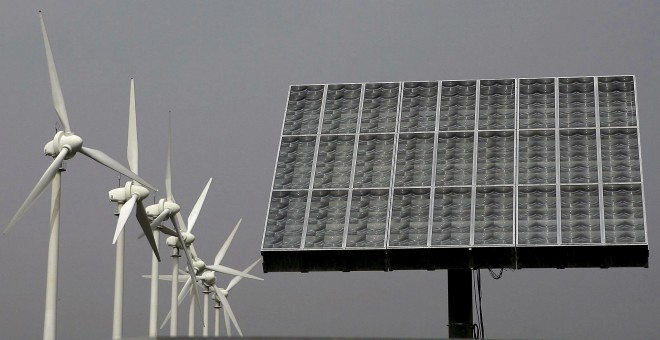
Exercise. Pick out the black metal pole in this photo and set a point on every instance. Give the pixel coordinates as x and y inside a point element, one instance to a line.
<point>460,303</point>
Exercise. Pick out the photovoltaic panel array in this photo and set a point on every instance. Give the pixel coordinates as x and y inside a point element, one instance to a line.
<point>514,173</point>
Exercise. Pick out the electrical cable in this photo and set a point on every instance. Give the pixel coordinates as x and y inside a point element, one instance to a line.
<point>496,276</point>
<point>481,317</point>
<point>478,327</point>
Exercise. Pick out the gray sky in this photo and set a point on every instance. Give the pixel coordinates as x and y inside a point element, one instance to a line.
<point>224,69</point>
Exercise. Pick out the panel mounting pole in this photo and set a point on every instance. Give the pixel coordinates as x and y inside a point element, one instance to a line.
<point>459,293</point>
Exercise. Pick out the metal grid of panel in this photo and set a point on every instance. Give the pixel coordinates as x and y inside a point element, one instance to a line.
<point>424,167</point>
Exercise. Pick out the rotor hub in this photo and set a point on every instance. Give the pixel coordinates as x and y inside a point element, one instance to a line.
<point>156,209</point>
<point>171,206</point>
<point>122,195</point>
<point>63,140</point>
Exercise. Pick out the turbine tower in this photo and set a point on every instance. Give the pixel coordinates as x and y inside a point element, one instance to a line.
<point>64,146</point>
<point>167,208</point>
<point>128,197</point>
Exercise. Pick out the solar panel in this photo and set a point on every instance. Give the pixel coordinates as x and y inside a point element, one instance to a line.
<point>512,173</point>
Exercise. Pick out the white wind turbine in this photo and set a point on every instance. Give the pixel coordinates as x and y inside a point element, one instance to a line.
<point>222,302</point>
<point>64,146</point>
<point>167,208</point>
<point>208,281</point>
<point>206,273</point>
<point>128,197</point>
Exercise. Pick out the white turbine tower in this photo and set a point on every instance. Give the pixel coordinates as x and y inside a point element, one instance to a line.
<point>167,208</point>
<point>128,197</point>
<point>64,146</point>
<point>206,273</point>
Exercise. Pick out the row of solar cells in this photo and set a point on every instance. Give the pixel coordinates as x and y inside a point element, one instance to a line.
<point>413,223</point>
<point>543,103</point>
<point>571,102</point>
<point>340,165</point>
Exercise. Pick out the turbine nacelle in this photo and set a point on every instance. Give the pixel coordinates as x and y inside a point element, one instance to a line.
<point>199,265</point>
<point>122,195</point>
<point>208,278</point>
<point>188,239</point>
<point>63,140</point>
<point>156,209</point>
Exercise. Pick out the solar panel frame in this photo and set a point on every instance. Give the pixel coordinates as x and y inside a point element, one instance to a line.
<point>423,250</point>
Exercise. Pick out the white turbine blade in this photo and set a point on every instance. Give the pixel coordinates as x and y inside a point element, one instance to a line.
<point>182,295</point>
<point>106,160</point>
<point>237,279</point>
<point>143,219</point>
<point>55,89</point>
<point>191,268</point>
<point>193,253</point>
<point>45,179</point>
<point>167,277</point>
<point>179,219</point>
<point>227,309</point>
<point>184,291</point>
<point>132,146</point>
<point>124,213</point>
<point>192,218</point>
<point>168,168</point>
<point>223,249</point>
<point>167,231</point>
<point>227,325</point>
<point>158,220</point>
<point>222,269</point>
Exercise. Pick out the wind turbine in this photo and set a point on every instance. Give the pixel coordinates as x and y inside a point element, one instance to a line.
<point>64,146</point>
<point>167,208</point>
<point>222,302</point>
<point>209,282</point>
<point>206,273</point>
<point>128,197</point>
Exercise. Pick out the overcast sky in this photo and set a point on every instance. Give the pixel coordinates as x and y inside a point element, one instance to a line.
<point>224,69</point>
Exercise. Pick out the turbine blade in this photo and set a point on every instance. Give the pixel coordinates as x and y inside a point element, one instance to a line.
<point>45,179</point>
<point>193,253</point>
<point>106,160</point>
<point>237,279</point>
<point>227,325</point>
<point>168,169</point>
<point>159,219</point>
<point>167,277</point>
<point>167,318</point>
<point>179,219</point>
<point>132,146</point>
<point>191,268</point>
<point>124,213</point>
<point>184,291</point>
<point>223,250</point>
<point>143,219</point>
<point>192,218</point>
<point>222,269</point>
<point>182,295</point>
<point>167,231</point>
<point>55,89</point>
<point>227,309</point>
